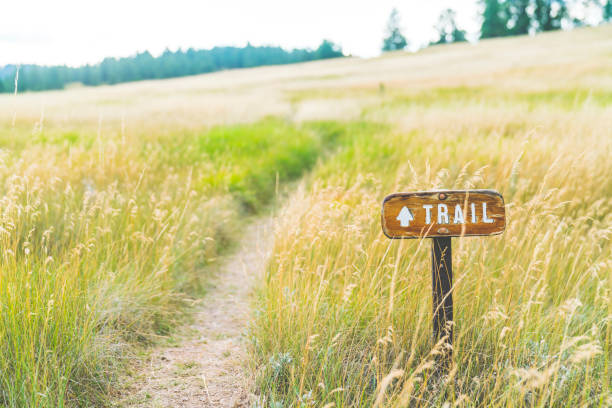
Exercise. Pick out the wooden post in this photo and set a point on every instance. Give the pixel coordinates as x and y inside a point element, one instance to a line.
<point>442,283</point>
<point>440,215</point>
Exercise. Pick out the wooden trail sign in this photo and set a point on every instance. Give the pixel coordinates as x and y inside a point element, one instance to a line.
<point>441,215</point>
<point>430,214</point>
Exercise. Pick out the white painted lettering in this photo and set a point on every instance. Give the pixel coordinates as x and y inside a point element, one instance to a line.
<point>442,214</point>
<point>458,219</point>
<point>484,215</point>
<point>427,208</point>
<point>474,218</point>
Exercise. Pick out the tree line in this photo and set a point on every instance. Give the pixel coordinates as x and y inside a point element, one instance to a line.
<point>501,18</point>
<point>145,66</point>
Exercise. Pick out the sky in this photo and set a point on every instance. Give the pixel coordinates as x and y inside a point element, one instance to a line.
<point>76,32</point>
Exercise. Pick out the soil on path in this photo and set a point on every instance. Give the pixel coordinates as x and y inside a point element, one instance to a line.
<point>206,367</point>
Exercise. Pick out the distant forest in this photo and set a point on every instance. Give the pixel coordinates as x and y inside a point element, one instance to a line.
<point>168,65</point>
<point>500,18</point>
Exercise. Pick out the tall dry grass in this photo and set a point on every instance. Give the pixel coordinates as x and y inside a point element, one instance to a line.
<point>106,237</point>
<point>344,314</point>
<point>115,199</point>
<point>95,250</point>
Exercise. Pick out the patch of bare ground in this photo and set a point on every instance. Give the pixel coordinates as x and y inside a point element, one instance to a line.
<point>206,367</point>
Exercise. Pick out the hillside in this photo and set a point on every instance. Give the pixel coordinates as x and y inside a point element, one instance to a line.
<point>118,203</point>
<point>560,60</point>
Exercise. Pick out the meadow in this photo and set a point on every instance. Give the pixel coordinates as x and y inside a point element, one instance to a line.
<point>106,241</point>
<point>116,202</point>
<point>344,315</point>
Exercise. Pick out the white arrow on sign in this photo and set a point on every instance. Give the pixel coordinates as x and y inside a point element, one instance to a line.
<point>405,216</point>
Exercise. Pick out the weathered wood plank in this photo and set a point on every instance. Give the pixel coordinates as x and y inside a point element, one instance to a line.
<point>445,213</point>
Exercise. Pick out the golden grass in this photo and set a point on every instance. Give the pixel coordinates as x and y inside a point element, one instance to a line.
<point>104,237</point>
<point>344,314</point>
<point>115,199</point>
<point>548,60</point>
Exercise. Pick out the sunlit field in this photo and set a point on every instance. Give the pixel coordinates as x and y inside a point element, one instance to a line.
<point>344,314</point>
<point>103,238</point>
<point>116,202</point>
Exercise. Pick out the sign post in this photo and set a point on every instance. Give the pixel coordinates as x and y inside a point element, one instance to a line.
<point>441,215</point>
<point>442,295</point>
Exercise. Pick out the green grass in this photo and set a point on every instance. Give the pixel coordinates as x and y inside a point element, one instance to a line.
<point>562,98</point>
<point>104,239</point>
<point>565,97</point>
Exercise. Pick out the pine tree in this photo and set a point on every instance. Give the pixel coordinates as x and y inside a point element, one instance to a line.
<point>447,28</point>
<point>494,22</point>
<point>549,14</point>
<point>328,49</point>
<point>395,40</point>
<point>520,16</point>
<point>607,11</point>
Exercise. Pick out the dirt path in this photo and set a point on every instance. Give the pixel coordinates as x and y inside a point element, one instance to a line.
<point>206,367</point>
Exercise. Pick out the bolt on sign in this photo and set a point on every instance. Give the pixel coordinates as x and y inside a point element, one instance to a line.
<point>441,215</point>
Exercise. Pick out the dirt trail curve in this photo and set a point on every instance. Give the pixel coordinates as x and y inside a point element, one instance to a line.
<point>206,367</point>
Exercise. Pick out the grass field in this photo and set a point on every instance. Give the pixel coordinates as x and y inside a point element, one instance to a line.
<point>344,315</point>
<point>102,240</point>
<point>116,201</point>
